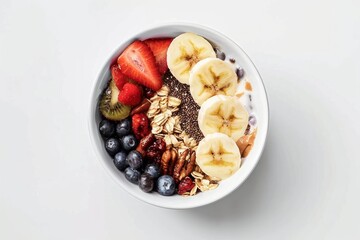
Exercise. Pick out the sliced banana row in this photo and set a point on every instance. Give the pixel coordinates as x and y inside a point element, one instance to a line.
<point>213,83</point>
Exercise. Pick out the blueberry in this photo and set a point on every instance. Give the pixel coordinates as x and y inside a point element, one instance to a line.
<point>165,185</point>
<point>153,170</point>
<point>134,159</point>
<point>240,72</point>
<point>129,142</point>
<point>120,161</point>
<point>146,183</point>
<point>132,175</point>
<point>112,146</point>
<point>252,120</point>
<point>220,54</point>
<point>123,127</point>
<point>106,128</point>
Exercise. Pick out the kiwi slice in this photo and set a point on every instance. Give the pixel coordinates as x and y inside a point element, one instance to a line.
<point>109,105</point>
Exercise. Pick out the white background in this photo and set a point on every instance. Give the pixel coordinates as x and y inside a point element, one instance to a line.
<point>306,185</point>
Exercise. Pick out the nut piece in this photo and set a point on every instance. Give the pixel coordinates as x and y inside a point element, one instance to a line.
<point>174,157</point>
<point>145,144</point>
<point>142,107</point>
<point>190,165</point>
<point>179,165</point>
<point>165,160</point>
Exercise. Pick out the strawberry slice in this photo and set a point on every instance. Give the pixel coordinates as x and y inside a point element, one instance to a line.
<point>138,63</point>
<point>119,78</point>
<point>159,47</point>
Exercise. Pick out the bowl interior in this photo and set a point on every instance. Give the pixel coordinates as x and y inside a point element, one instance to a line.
<point>259,100</point>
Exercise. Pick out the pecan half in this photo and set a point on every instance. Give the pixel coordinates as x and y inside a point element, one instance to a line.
<point>179,165</point>
<point>245,143</point>
<point>165,160</point>
<point>174,157</point>
<point>189,166</point>
<point>145,143</point>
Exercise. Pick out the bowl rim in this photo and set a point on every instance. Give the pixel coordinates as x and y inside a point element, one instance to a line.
<point>90,120</point>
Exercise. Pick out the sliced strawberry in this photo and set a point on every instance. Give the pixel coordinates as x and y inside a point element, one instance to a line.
<point>119,78</point>
<point>159,47</point>
<point>138,63</point>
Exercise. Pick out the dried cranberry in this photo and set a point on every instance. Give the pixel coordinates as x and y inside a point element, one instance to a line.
<point>185,185</point>
<point>140,125</point>
<point>151,154</point>
<point>155,151</point>
<point>160,145</point>
<point>149,93</point>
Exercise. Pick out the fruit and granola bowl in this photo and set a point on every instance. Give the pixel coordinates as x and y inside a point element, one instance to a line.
<point>179,116</point>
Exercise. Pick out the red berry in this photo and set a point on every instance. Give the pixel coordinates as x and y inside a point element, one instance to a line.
<point>119,78</point>
<point>149,93</point>
<point>185,185</point>
<point>159,47</point>
<point>138,63</point>
<point>130,94</point>
<point>140,125</point>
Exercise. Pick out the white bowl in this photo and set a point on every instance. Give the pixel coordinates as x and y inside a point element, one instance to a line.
<point>259,100</point>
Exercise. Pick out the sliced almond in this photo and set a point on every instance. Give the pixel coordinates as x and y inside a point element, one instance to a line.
<point>171,120</point>
<point>198,182</point>
<point>152,112</point>
<point>214,179</point>
<point>173,101</point>
<point>193,190</point>
<point>156,129</point>
<point>154,98</point>
<point>213,186</point>
<point>160,119</point>
<point>168,113</point>
<point>167,140</point>
<point>177,120</point>
<point>163,92</point>
<point>193,143</point>
<point>203,188</point>
<point>174,141</point>
<point>168,127</point>
<point>186,140</point>
<point>205,182</point>
<point>197,175</point>
<point>176,130</point>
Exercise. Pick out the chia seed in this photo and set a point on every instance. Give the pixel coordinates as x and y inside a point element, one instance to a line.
<point>188,109</point>
<point>239,73</point>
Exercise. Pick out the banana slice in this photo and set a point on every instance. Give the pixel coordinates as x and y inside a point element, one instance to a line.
<point>224,114</point>
<point>211,77</point>
<point>184,52</point>
<point>218,156</point>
